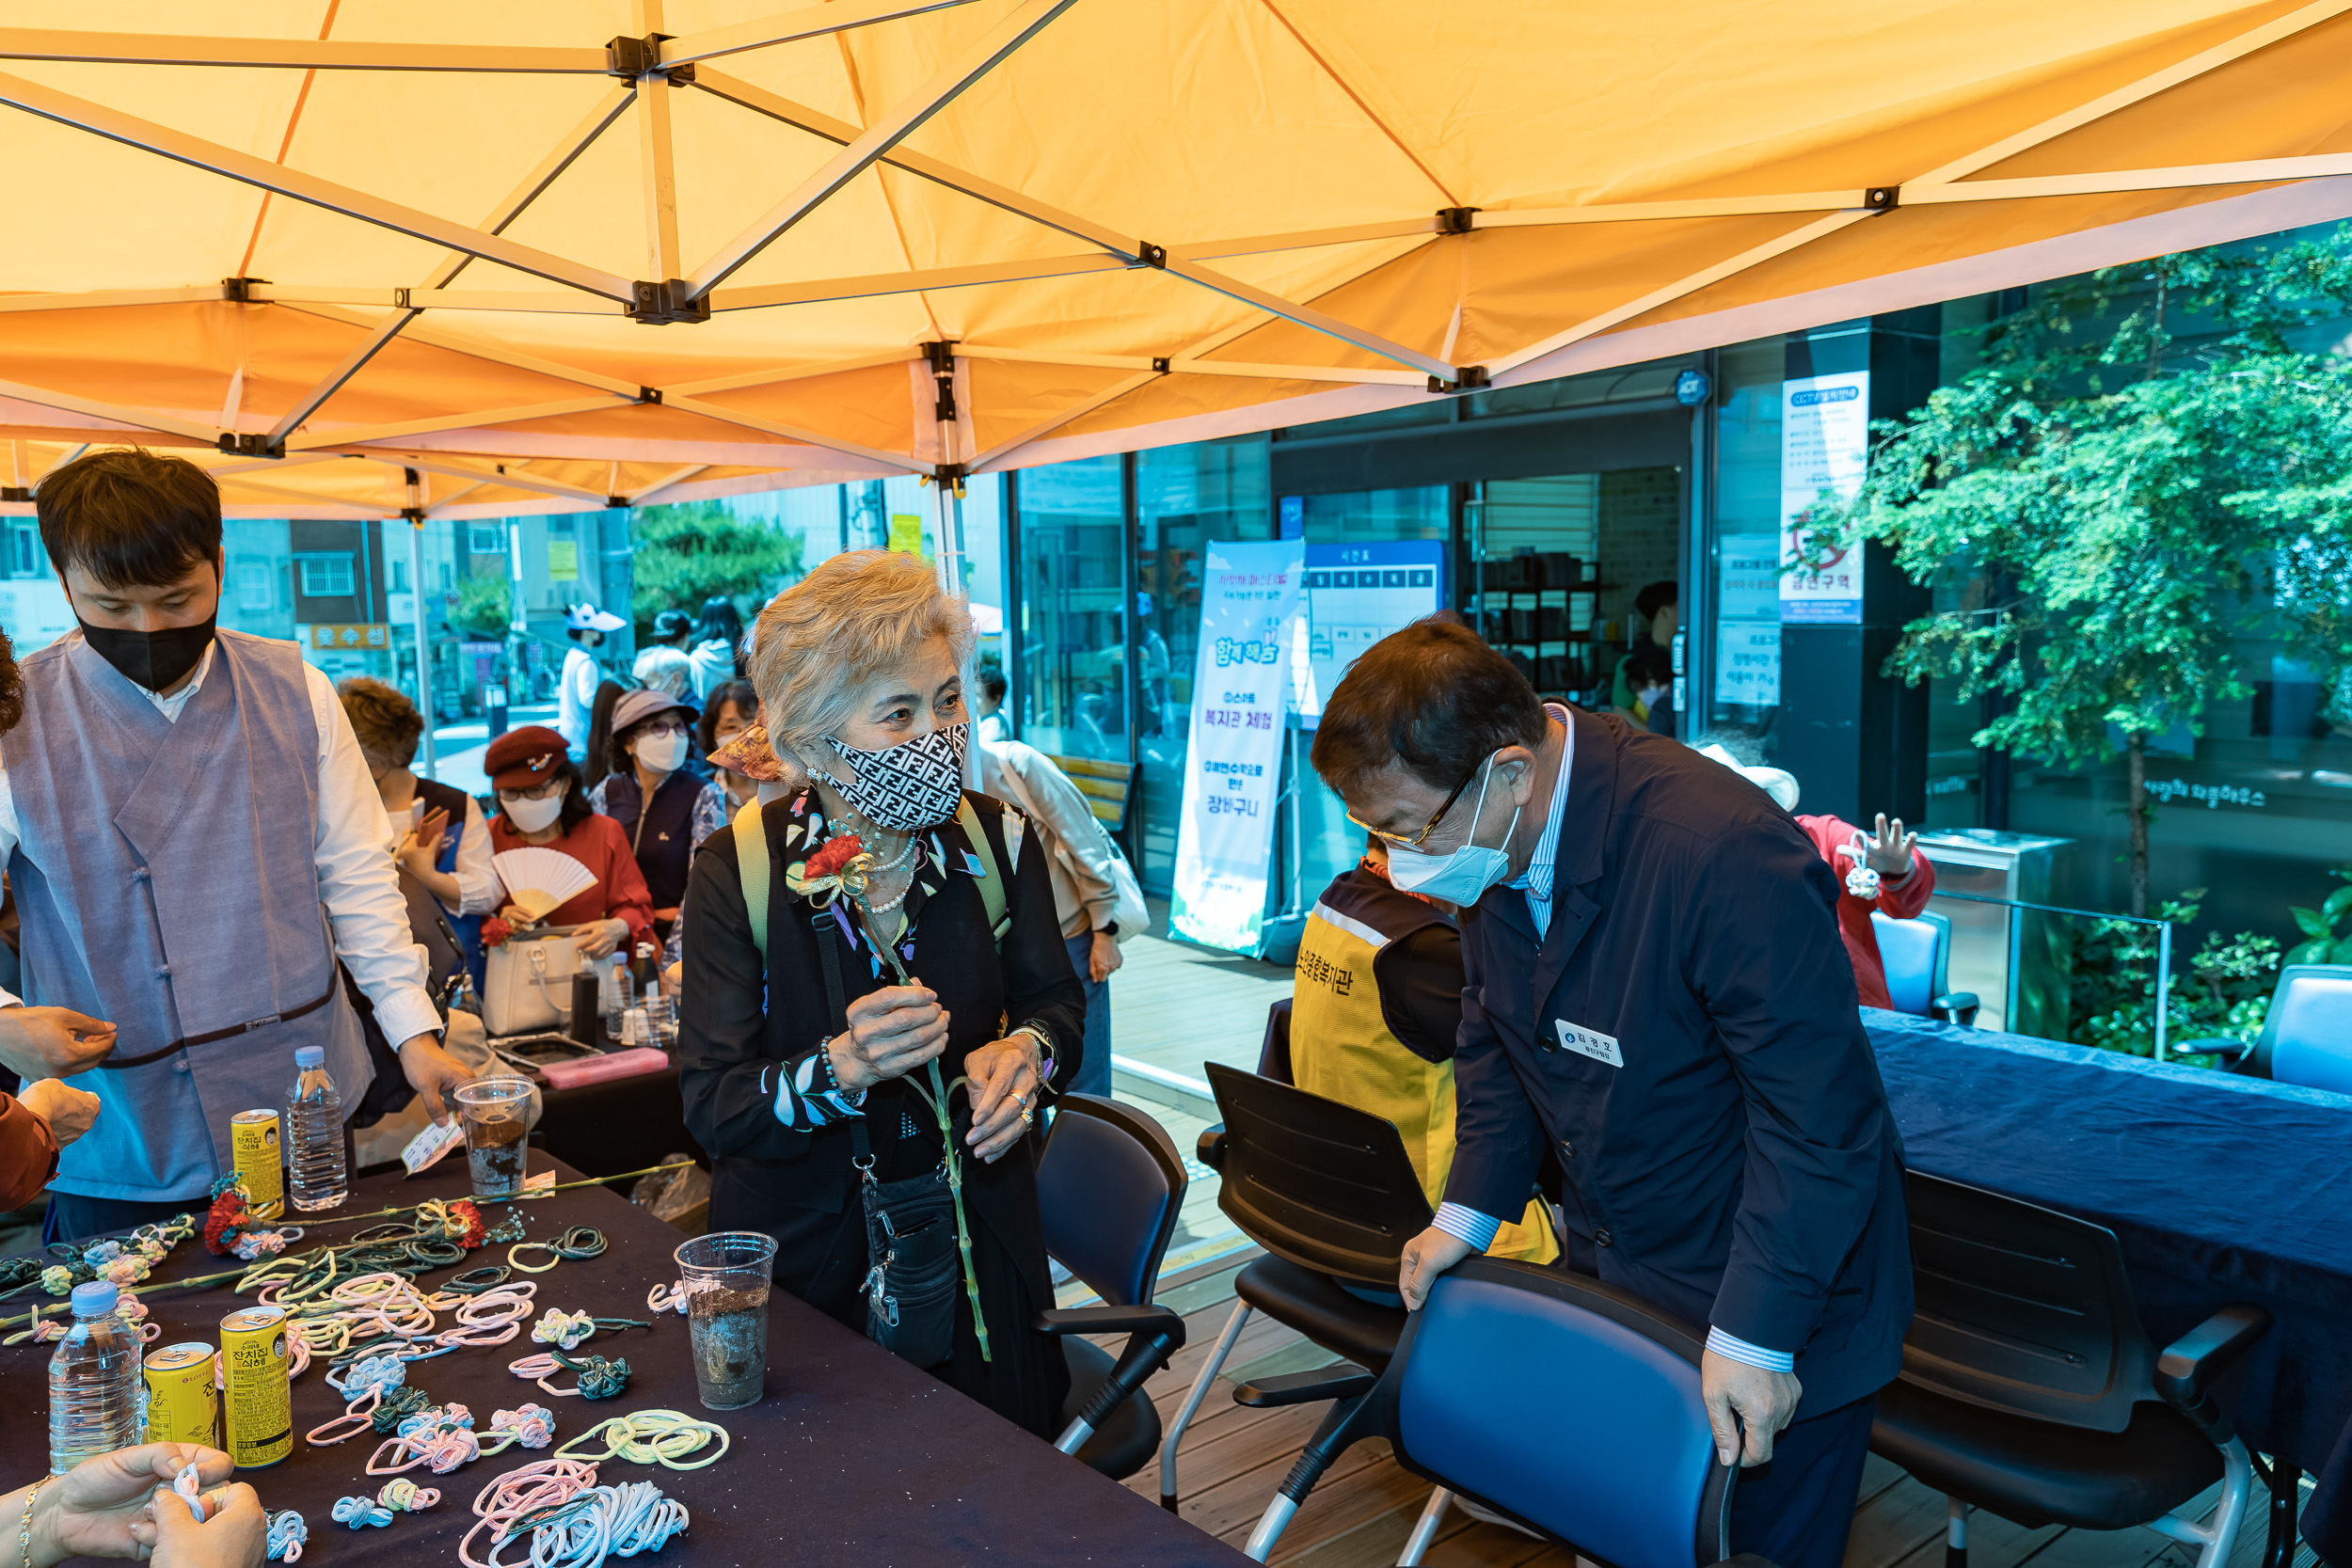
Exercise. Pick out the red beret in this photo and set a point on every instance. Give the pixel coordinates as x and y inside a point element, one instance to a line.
<point>520,758</point>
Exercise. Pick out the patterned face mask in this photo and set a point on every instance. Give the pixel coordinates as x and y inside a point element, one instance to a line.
<point>909,787</point>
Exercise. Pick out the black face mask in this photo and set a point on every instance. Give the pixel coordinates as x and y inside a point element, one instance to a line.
<point>153,659</point>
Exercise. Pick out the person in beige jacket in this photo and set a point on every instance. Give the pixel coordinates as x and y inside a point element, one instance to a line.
<point>1086,890</point>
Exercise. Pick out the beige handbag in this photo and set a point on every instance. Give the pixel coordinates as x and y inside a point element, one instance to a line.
<point>528,984</point>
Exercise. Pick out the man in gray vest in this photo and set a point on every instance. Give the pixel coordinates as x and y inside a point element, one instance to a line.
<point>193,840</point>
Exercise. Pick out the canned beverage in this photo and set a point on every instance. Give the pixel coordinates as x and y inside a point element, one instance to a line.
<point>183,1406</point>
<point>253,1142</point>
<point>257,1405</point>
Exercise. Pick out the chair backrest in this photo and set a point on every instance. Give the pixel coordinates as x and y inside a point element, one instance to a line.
<point>2021,1309</point>
<point>1109,1187</point>
<point>1568,1405</point>
<point>1316,1182</point>
<point>2307,1034</point>
<point>1108,786</point>
<point>1274,1056</point>
<point>1914,954</point>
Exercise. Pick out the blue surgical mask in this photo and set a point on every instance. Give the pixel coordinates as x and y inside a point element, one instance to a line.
<point>1463,876</point>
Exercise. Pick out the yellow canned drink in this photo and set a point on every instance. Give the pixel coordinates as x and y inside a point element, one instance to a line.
<point>257,1404</point>
<point>253,1141</point>
<point>183,1406</point>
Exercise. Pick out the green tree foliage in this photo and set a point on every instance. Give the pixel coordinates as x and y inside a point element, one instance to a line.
<point>692,550</point>
<point>2120,504</point>
<point>2112,990</point>
<point>2323,943</point>
<point>485,606</point>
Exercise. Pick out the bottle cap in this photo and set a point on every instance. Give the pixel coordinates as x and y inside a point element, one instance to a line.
<point>95,1298</point>
<point>310,1056</point>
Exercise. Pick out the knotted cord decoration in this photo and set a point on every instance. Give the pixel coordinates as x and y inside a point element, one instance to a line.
<point>561,1329</point>
<point>191,1490</point>
<point>364,1387</point>
<point>579,1242</point>
<point>48,1331</point>
<point>126,1260</point>
<point>604,1520</point>
<point>660,1437</point>
<point>533,1426</point>
<point>360,1511</point>
<point>535,1488</point>
<point>440,1438</point>
<point>286,1533</point>
<point>398,1405</point>
<point>600,1379</point>
<point>232,1228</point>
<point>403,1496</point>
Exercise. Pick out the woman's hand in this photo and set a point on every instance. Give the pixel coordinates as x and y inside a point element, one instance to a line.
<point>68,1111</point>
<point>892,1032</point>
<point>1005,1081</point>
<point>1103,960</point>
<point>100,1507</point>
<point>598,938</point>
<point>422,847</point>
<point>1886,851</point>
<point>235,1536</point>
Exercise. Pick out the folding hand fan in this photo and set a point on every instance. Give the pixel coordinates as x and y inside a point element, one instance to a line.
<point>539,880</point>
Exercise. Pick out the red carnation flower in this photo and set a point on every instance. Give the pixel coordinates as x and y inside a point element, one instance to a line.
<point>226,1217</point>
<point>837,852</point>
<point>494,932</point>
<point>464,1210</point>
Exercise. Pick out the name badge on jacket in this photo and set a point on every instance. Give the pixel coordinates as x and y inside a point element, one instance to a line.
<point>1589,1042</point>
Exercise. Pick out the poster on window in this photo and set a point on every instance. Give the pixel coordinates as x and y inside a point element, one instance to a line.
<point>1355,594</point>
<point>1824,441</point>
<point>1249,606</point>
<point>1747,663</point>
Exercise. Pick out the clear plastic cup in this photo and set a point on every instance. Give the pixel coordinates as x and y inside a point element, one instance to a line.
<point>496,1114</point>
<point>727,1276</point>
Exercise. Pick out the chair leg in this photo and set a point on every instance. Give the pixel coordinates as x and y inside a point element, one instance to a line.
<point>1955,1533</point>
<point>1208,1369</point>
<point>1331,1439</point>
<point>2286,1490</point>
<point>1424,1528</point>
<point>2216,1533</point>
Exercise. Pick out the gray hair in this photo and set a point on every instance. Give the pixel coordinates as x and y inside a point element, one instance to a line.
<point>853,618</point>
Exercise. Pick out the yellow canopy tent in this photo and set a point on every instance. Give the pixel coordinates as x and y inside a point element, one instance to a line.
<point>448,258</point>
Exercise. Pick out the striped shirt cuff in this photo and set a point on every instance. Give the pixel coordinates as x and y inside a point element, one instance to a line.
<point>1754,1356</point>
<point>1467,1225</point>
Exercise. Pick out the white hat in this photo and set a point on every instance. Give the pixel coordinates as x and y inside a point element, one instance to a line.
<point>1778,783</point>
<point>587,617</point>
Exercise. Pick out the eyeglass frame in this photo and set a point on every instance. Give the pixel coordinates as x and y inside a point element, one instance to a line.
<point>1414,841</point>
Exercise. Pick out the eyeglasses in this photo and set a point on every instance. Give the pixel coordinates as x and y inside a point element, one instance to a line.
<point>1414,841</point>
<point>535,792</point>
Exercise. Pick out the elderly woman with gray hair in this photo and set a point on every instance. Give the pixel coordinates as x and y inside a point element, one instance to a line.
<point>868,1032</point>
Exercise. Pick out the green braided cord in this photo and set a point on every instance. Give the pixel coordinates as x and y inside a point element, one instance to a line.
<point>600,1379</point>
<point>404,1401</point>
<point>473,1282</point>
<point>955,1191</point>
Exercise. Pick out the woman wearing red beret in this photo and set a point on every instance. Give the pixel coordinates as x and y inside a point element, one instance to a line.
<point>541,802</point>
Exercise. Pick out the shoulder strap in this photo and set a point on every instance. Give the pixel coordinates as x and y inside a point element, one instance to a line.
<point>751,854</point>
<point>991,880</point>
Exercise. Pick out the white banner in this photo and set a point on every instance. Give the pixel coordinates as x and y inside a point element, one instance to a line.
<point>1250,601</point>
<point>1824,443</point>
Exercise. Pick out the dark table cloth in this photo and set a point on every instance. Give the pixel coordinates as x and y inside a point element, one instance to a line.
<point>2221,1189</point>
<point>852,1458</point>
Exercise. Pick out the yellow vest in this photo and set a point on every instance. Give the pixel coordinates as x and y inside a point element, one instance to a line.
<point>1342,1048</point>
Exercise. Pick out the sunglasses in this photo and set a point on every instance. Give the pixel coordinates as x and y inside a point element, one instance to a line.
<point>1414,841</point>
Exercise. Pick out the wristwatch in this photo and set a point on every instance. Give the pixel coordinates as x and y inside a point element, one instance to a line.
<point>1110,931</point>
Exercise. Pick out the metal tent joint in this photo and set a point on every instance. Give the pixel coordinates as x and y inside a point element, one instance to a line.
<point>414,514</point>
<point>239,290</point>
<point>645,394</point>
<point>1456,220</point>
<point>14,493</point>
<point>1882,199</point>
<point>634,58</point>
<point>618,503</point>
<point>1468,378</point>
<point>1150,255</point>
<point>942,357</point>
<point>1161,365</point>
<point>251,446</point>
<point>662,304</point>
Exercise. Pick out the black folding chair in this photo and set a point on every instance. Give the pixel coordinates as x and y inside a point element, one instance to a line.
<point>1330,1194</point>
<point>2030,1389</point>
<point>1109,1186</point>
<point>1566,1406</point>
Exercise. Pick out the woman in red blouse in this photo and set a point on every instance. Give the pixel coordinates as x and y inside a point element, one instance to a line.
<point>541,804</point>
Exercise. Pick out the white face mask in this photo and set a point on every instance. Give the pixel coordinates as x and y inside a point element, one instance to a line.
<point>531,816</point>
<point>1464,875</point>
<point>662,752</point>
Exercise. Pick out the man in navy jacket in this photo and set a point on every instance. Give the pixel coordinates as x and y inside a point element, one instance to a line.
<point>1656,991</point>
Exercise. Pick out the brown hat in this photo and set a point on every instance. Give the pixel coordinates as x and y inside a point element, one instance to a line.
<point>520,758</point>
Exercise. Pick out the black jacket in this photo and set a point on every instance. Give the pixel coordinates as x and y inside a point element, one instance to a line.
<point>1741,1167</point>
<point>737,1028</point>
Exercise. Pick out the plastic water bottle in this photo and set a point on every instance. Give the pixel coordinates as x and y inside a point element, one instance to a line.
<point>97,1397</point>
<point>316,1177</point>
<point>660,1017</point>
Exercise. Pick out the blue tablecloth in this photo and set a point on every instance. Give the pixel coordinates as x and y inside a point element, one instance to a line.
<point>2222,1189</point>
